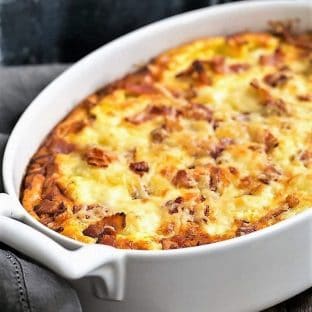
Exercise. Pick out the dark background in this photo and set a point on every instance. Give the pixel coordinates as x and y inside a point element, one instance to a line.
<point>49,31</point>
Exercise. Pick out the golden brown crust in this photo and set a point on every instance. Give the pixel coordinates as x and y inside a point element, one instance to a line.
<point>209,141</point>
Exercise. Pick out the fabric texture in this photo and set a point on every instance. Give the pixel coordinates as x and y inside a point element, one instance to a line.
<point>24,285</point>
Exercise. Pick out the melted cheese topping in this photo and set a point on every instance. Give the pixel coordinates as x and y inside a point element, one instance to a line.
<point>211,140</point>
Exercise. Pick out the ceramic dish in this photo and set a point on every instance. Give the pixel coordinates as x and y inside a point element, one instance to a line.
<point>247,273</point>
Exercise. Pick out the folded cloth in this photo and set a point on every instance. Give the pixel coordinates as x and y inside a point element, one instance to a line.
<point>26,286</point>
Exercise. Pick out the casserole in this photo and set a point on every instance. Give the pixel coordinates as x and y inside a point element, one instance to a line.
<point>209,141</point>
<point>244,274</point>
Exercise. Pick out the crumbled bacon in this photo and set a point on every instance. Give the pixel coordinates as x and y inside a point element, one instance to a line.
<point>245,228</point>
<point>167,243</point>
<point>159,134</point>
<point>239,68</point>
<point>150,112</point>
<point>272,59</point>
<point>276,105</point>
<point>198,112</point>
<point>234,170</point>
<point>275,79</point>
<point>250,184</point>
<point>76,126</point>
<point>270,173</point>
<point>306,158</point>
<point>109,240</point>
<point>305,97</point>
<point>197,72</point>
<point>139,168</point>
<point>76,208</point>
<point>59,145</point>
<point>48,207</point>
<point>270,142</point>
<point>285,30</point>
<point>142,88</point>
<point>292,201</point>
<point>173,205</point>
<point>220,147</point>
<point>97,157</point>
<point>272,104</point>
<point>215,178</point>
<point>183,179</point>
<point>111,224</point>
<point>217,64</point>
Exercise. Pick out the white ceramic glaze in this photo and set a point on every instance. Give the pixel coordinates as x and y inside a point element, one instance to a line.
<point>243,274</point>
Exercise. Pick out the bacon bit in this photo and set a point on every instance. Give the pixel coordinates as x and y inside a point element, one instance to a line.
<point>233,170</point>
<point>292,201</point>
<point>138,83</point>
<point>284,30</point>
<point>273,104</point>
<point>188,238</point>
<point>272,59</point>
<point>270,142</point>
<point>150,112</point>
<point>102,227</point>
<point>183,179</point>
<point>51,191</point>
<point>215,178</point>
<point>197,72</point>
<point>59,145</point>
<point>198,112</point>
<point>36,168</point>
<point>217,64</point>
<point>275,79</point>
<point>306,158</point>
<point>255,84</point>
<point>76,208</point>
<point>109,240</point>
<point>76,126</point>
<point>173,205</point>
<point>277,105</point>
<point>97,157</point>
<point>138,89</point>
<point>167,243</point>
<point>139,167</point>
<point>270,173</point>
<point>220,147</point>
<point>159,134</point>
<point>236,39</point>
<point>59,229</point>
<point>245,228</point>
<point>250,184</point>
<point>305,97</point>
<point>50,208</point>
<point>206,211</point>
<point>239,68</point>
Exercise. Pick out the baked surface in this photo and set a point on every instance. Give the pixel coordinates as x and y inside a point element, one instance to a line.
<point>209,141</point>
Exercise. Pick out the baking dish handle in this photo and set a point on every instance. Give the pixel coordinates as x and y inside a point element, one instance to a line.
<point>105,263</point>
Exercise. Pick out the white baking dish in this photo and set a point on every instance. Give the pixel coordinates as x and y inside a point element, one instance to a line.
<point>243,274</point>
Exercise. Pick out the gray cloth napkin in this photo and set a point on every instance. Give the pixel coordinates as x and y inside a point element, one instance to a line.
<point>25,286</point>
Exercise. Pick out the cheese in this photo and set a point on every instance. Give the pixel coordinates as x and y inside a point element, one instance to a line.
<point>212,140</point>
